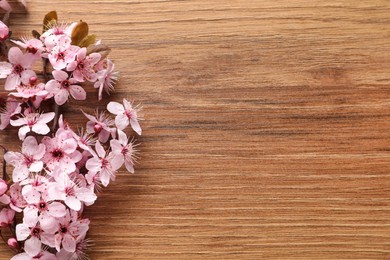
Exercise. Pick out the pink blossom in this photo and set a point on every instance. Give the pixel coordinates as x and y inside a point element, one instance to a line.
<point>84,140</point>
<point>21,67</point>
<point>12,108</point>
<point>63,53</point>
<point>125,148</point>
<point>13,243</point>
<point>34,235</point>
<point>82,67</point>
<point>30,87</point>
<point>17,201</point>
<point>106,78</point>
<point>72,194</point>
<point>33,46</point>
<point>47,208</point>
<point>100,125</point>
<point>61,86</point>
<point>125,114</point>
<point>106,164</point>
<point>69,230</point>
<point>6,217</point>
<point>33,122</point>
<point>43,255</point>
<point>3,187</point>
<point>82,245</point>
<point>61,151</point>
<point>27,161</point>
<point>4,31</point>
<point>56,31</point>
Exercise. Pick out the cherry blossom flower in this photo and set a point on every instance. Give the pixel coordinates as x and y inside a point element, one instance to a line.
<point>71,193</point>
<point>6,217</point>
<point>100,125</point>
<point>33,46</point>
<point>12,108</point>
<point>13,243</point>
<point>61,86</point>
<point>48,210</point>
<point>61,151</point>
<point>4,31</point>
<point>33,122</point>
<point>17,201</point>
<point>82,245</point>
<point>30,87</point>
<point>106,164</point>
<point>69,230</point>
<point>43,255</point>
<point>82,67</point>
<point>125,148</point>
<point>54,32</point>
<point>106,78</point>
<point>3,187</point>
<point>125,114</point>
<point>21,67</point>
<point>63,53</point>
<point>34,235</point>
<point>27,161</point>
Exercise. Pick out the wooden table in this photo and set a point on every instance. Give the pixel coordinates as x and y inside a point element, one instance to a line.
<point>266,131</point>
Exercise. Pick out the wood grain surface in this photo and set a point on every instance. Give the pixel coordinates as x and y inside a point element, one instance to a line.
<point>266,131</point>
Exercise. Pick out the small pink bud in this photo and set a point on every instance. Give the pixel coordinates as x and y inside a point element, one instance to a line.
<point>4,31</point>
<point>12,243</point>
<point>3,187</point>
<point>97,128</point>
<point>33,80</point>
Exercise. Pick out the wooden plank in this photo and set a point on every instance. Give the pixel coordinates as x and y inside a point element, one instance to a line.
<point>266,131</point>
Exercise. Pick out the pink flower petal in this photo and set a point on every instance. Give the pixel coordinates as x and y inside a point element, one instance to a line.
<point>99,149</point>
<point>135,125</point>
<point>5,69</point>
<point>57,209</point>
<point>47,117</point>
<point>69,243</point>
<point>115,108</point>
<point>60,75</point>
<point>121,121</point>
<point>29,145</point>
<point>129,166</point>
<point>22,232</point>
<point>73,203</point>
<point>61,97</point>
<point>15,55</point>
<point>33,196</point>
<point>77,92</point>
<point>32,246</point>
<point>48,223</point>
<point>41,129</point>
<point>23,131</point>
<point>12,82</point>
<point>93,165</point>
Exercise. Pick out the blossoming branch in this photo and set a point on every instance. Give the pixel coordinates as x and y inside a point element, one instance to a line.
<point>58,171</point>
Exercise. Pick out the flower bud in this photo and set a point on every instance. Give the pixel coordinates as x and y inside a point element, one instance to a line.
<point>4,31</point>
<point>97,128</point>
<point>3,187</point>
<point>12,243</point>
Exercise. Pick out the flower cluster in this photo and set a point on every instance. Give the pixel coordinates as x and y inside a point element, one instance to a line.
<point>59,172</point>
